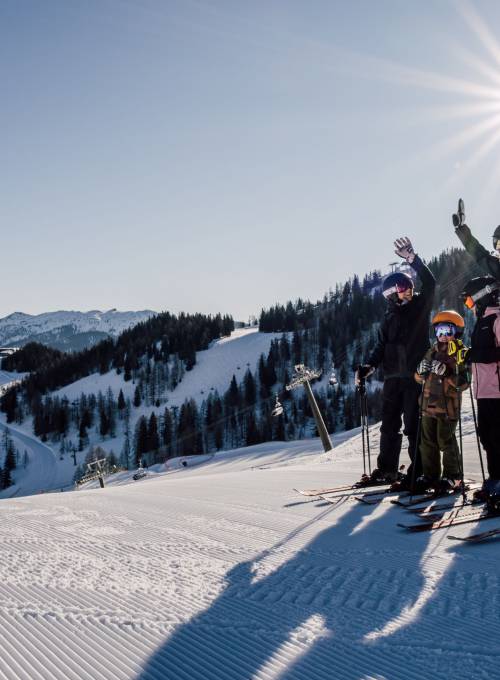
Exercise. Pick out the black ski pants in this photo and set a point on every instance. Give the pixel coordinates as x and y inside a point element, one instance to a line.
<point>488,427</point>
<point>400,403</point>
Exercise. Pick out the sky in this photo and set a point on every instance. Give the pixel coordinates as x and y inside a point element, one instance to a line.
<point>222,156</point>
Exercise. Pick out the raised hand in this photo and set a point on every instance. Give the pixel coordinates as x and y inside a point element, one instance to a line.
<point>404,248</point>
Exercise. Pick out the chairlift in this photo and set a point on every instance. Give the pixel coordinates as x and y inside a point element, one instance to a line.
<point>278,408</point>
<point>140,473</point>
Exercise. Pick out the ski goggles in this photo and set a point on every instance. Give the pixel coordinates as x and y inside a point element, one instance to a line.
<point>398,288</point>
<point>447,329</point>
<point>470,300</point>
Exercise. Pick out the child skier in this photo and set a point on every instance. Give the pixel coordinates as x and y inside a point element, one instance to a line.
<point>443,376</point>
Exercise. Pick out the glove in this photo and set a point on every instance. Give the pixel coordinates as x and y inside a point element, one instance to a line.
<point>362,373</point>
<point>424,367</point>
<point>458,218</point>
<point>438,367</point>
<point>404,248</point>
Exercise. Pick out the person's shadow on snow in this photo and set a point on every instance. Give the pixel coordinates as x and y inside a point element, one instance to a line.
<point>339,591</point>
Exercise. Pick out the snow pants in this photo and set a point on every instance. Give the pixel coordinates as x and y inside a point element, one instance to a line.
<point>436,435</point>
<point>488,427</point>
<point>400,403</point>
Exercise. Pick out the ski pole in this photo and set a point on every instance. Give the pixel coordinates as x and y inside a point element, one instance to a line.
<point>417,441</point>
<point>460,458</point>
<point>360,390</point>
<point>459,461</point>
<point>365,399</point>
<point>477,435</point>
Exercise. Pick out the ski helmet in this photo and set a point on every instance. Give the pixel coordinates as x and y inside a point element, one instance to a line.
<point>395,283</point>
<point>450,318</point>
<point>496,237</point>
<point>481,292</point>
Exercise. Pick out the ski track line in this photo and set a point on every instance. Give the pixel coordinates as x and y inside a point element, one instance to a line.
<point>108,553</point>
<point>26,662</point>
<point>368,596</point>
<point>57,652</point>
<point>113,647</point>
<point>483,622</point>
<point>377,582</point>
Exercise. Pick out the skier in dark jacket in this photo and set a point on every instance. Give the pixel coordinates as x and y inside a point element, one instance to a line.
<point>482,295</point>
<point>490,262</point>
<point>403,339</point>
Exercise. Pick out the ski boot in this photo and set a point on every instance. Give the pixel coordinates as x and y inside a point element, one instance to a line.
<point>489,493</point>
<point>449,485</point>
<point>377,478</point>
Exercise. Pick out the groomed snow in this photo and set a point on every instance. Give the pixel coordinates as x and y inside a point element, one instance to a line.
<point>221,571</point>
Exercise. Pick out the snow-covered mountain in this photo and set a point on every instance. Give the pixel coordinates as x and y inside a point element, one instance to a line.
<point>67,330</point>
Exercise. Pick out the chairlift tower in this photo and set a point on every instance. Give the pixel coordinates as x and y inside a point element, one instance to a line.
<point>96,466</point>
<point>303,376</point>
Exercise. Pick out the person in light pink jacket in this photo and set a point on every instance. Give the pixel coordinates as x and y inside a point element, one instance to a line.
<point>482,295</point>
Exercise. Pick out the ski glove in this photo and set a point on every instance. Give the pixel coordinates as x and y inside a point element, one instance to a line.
<point>362,373</point>
<point>458,218</point>
<point>438,367</point>
<point>404,248</point>
<point>424,367</point>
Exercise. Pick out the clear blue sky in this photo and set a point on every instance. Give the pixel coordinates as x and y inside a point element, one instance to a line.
<point>224,155</point>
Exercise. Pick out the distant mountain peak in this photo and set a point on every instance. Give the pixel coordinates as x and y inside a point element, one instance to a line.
<point>68,330</point>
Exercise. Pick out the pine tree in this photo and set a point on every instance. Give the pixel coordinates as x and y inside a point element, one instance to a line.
<point>141,438</point>
<point>153,438</point>
<point>249,389</point>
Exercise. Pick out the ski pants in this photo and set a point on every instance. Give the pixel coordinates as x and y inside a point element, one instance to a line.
<point>436,435</point>
<point>488,428</point>
<point>400,403</point>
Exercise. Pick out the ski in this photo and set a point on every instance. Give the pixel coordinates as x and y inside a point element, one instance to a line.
<point>417,499</point>
<point>431,496</point>
<point>339,489</point>
<point>365,498</point>
<point>475,538</point>
<point>466,510</point>
<point>433,509</point>
<point>452,519</point>
<point>369,498</point>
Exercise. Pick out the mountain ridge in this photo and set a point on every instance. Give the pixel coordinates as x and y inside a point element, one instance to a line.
<point>68,330</point>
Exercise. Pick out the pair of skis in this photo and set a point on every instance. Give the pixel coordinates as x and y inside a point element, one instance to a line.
<point>436,521</point>
<point>450,519</point>
<point>358,486</point>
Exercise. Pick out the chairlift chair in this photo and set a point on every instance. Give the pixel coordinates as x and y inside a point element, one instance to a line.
<point>278,408</point>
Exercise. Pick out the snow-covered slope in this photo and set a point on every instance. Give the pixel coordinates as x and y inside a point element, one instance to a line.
<point>214,369</point>
<point>67,330</point>
<point>223,572</point>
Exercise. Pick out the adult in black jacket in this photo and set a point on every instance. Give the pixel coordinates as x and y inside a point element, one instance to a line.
<point>403,339</point>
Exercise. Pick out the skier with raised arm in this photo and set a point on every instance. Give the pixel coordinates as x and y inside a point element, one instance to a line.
<point>403,340</point>
<point>489,261</point>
